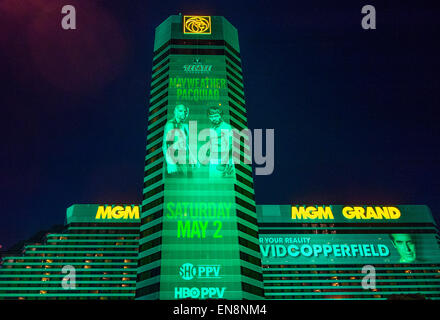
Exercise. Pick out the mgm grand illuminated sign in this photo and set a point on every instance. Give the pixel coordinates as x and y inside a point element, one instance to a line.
<point>117,212</point>
<point>351,213</point>
<point>347,234</point>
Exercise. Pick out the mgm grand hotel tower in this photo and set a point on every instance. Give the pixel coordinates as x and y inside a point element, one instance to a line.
<point>198,233</point>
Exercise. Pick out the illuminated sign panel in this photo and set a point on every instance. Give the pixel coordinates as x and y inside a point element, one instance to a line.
<point>348,248</point>
<point>117,212</point>
<point>198,197</point>
<point>199,226</point>
<point>312,213</point>
<point>352,213</point>
<point>197,24</point>
<point>197,67</point>
<point>347,235</point>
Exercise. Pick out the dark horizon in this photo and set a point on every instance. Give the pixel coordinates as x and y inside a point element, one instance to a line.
<point>354,111</point>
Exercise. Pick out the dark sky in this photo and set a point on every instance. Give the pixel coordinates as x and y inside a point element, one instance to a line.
<point>354,111</point>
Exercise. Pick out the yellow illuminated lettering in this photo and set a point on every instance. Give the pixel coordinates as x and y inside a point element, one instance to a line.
<point>382,213</point>
<point>117,212</point>
<point>376,213</point>
<point>197,24</point>
<point>298,214</point>
<point>131,213</point>
<point>325,213</point>
<point>371,213</point>
<point>394,212</point>
<point>104,213</point>
<point>348,212</point>
<point>312,213</point>
<point>360,213</point>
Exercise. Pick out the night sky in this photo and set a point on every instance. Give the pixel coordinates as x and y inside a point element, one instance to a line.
<point>354,111</point>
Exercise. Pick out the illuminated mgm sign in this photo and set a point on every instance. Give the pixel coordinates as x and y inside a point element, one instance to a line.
<point>197,24</point>
<point>117,212</point>
<point>351,213</point>
<point>320,252</point>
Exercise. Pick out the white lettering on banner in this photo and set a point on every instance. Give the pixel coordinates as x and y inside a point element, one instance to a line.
<point>197,68</point>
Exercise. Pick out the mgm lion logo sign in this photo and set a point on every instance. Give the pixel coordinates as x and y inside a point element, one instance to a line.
<point>197,24</point>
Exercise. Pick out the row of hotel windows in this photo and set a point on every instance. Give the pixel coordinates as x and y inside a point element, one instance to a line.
<point>149,206</point>
<point>106,277</point>
<point>350,277</point>
<point>131,231</point>
<point>90,237</point>
<point>345,271</point>
<point>346,231</point>
<point>128,290</point>
<point>147,290</point>
<point>196,42</point>
<point>246,216</point>
<point>57,285</point>
<point>104,224</point>
<point>163,81</point>
<point>115,247</point>
<point>103,242</point>
<point>348,284</point>
<point>158,108</point>
<point>76,254</point>
<point>148,274</point>
<point>197,52</point>
<point>79,272</point>
<point>94,297</point>
<point>334,267</point>
<point>394,289</point>
<point>333,297</point>
<point>150,244</point>
<point>343,225</point>
<point>293,266</point>
<point>165,94</point>
<point>85,266</point>
<point>152,216</point>
<point>57,261</point>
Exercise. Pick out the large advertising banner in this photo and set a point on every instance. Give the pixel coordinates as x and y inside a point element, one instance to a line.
<point>199,230</point>
<point>347,234</point>
<point>364,249</point>
<point>353,214</point>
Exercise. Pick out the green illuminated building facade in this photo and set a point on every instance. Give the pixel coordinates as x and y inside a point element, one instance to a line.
<point>304,255</point>
<point>103,253</point>
<point>197,216</point>
<point>318,252</point>
<point>198,233</point>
